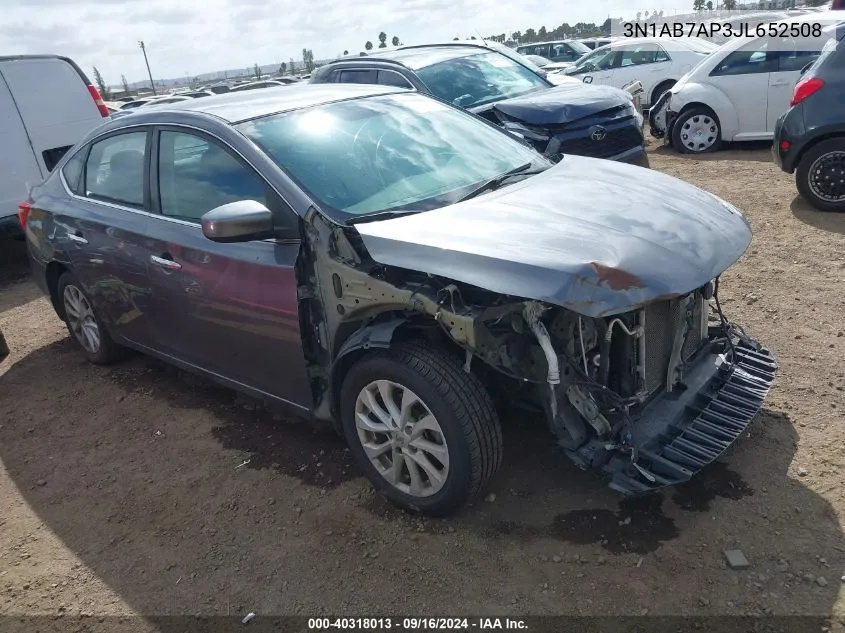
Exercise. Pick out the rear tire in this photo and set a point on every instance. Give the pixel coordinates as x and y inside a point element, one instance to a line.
<point>697,131</point>
<point>84,324</point>
<point>818,170</point>
<point>413,408</point>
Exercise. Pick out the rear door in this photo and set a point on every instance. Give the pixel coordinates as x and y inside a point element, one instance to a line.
<point>598,68</point>
<point>230,309</point>
<point>103,229</point>
<point>54,103</point>
<point>647,63</point>
<point>18,168</point>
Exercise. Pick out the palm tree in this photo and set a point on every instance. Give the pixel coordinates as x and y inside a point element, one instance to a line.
<point>395,41</point>
<point>368,45</point>
<point>382,38</point>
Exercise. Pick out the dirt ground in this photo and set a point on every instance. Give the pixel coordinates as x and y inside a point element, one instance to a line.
<point>136,489</point>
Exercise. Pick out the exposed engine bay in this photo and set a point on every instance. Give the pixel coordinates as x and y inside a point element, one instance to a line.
<point>651,395</point>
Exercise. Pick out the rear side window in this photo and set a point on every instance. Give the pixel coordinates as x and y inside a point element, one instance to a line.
<point>73,171</point>
<point>795,54</point>
<point>196,175</point>
<point>114,170</point>
<point>358,77</point>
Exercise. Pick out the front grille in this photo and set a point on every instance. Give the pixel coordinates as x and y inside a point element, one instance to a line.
<point>617,141</point>
<point>661,322</point>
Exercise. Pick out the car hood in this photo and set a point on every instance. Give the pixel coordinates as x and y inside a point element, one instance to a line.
<point>595,236</point>
<point>561,104</point>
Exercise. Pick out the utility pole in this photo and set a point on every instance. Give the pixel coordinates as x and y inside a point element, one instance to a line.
<point>147,62</point>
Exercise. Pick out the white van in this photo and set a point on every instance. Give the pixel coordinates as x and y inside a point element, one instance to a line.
<point>47,104</point>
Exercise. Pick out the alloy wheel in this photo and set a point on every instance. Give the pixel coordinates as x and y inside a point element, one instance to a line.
<point>827,176</point>
<point>402,438</point>
<point>81,320</point>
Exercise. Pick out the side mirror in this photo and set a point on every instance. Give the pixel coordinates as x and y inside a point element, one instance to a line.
<point>807,67</point>
<point>241,221</point>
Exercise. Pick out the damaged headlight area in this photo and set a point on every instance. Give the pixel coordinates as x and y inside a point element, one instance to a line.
<point>651,396</point>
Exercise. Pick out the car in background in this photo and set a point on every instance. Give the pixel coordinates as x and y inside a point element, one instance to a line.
<point>657,62</point>
<point>560,51</point>
<point>593,43</point>
<point>137,103</point>
<point>540,62</point>
<point>381,260</point>
<point>809,138</point>
<point>573,118</point>
<point>195,94</point>
<point>737,93</point>
<point>36,127</point>
<point>220,89</point>
<point>256,85</point>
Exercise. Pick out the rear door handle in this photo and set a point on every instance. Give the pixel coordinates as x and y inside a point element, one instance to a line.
<point>77,237</point>
<point>779,83</point>
<point>167,264</point>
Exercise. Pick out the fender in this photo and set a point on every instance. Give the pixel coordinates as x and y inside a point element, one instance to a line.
<point>711,97</point>
<point>375,335</point>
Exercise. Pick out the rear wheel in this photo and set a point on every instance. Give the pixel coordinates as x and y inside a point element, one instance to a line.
<point>820,176</point>
<point>696,131</point>
<point>423,431</point>
<point>85,327</point>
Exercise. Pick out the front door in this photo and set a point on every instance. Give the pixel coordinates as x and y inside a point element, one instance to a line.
<point>743,76</point>
<point>229,309</point>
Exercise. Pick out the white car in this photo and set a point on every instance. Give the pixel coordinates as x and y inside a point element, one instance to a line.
<point>738,93</point>
<point>657,62</point>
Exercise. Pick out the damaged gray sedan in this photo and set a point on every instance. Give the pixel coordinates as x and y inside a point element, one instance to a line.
<point>395,265</point>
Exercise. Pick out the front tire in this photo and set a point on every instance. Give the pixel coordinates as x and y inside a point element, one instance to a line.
<point>424,431</point>
<point>820,176</point>
<point>85,326</point>
<point>697,131</point>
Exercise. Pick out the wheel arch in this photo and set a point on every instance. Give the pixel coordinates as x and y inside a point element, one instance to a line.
<point>706,96</point>
<point>813,143</point>
<point>668,83</point>
<point>53,273</point>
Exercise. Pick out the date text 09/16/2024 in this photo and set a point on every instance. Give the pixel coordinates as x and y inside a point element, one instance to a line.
<point>713,29</point>
<point>415,624</point>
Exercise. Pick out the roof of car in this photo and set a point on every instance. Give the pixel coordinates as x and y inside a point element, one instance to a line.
<point>235,107</point>
<point>416,57</point>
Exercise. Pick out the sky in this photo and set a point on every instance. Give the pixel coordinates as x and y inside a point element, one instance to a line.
<point>189,37</point>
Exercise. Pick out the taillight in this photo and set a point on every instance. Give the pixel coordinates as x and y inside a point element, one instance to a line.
<point>23,213</point>
<point>805,88</point>
<point>101,105</point>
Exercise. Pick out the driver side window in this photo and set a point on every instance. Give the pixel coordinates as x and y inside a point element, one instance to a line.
<point>751,59</point>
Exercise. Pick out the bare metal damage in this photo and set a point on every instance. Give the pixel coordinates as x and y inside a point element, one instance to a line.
<point>625,349</point>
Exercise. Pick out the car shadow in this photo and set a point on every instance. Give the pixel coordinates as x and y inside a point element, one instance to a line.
<point>187,499</point>
<point>752,151</point>
<point>14,275</point>
<point>831,222</point>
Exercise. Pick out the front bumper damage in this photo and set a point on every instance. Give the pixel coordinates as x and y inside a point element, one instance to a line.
<point>661,118</point>
<point>678,436</point>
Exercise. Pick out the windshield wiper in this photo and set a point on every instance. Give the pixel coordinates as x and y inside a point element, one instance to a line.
<point>380,215</point>
<point>498,181</point>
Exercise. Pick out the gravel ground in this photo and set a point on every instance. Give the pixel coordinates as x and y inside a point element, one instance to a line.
<point>137,489</point>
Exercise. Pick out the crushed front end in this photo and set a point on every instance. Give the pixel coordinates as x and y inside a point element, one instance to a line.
<point>654,395</point>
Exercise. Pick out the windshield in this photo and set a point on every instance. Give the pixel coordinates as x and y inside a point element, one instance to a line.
<point>600,59</point>
<point>403,152</point>
<point>479,79</point>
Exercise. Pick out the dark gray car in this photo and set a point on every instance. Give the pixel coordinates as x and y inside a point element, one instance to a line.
<point>383,260</point>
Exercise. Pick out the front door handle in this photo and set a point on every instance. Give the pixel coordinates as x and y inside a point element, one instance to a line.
<point>167,264</point>
<point>77,237</point>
